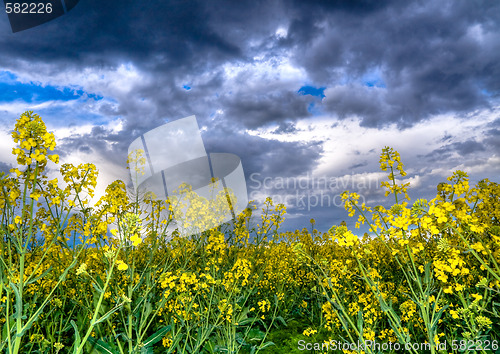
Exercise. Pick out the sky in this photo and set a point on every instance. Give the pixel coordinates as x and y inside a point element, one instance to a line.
<point>306,93</point>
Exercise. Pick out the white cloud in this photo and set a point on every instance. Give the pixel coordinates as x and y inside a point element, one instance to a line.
<point>264,75</point>
<point>108,82</point>
<point>281,32</point>
<point>347,144</point>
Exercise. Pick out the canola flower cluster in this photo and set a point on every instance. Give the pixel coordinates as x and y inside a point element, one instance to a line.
<point>33,141</point>
<point>109,277</point>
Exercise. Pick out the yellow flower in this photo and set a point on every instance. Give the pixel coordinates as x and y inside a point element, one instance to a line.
<point>454,314</point>
<point>53,158</point>
<point>477,297</point>
<point>309,332</point>
<point>167,342</point>
<point>35,195</point>
<point>58,346</point>
<point>136,240</point>
<point>16,171</point>
<point>34,141</point>
<point>82,269</point>
<point>121,265</point>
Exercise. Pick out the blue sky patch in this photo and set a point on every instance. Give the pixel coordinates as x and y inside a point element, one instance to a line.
<point>34,93</point>
<point>7,77</point>
<point>486,93</point>
<point>313,91</point>
<point>13,90</point>
<point>375,83</point>
<point>373,79</point>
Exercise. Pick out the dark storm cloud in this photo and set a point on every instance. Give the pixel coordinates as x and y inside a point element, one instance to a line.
<point>455,151</point>
<point>164,40</point>
<point>446,137</point>
<point>495,123</point>
<point>264,156</point>
<point>367,103</point>
<point>259,109</point>
<point>285,128</point>
<point>433,57</point>
<point>468,147</point>
<point>99,33</point>
<point>113,146</point>
<point>493,140</point>
<point>358,165</point>
<point>5,167</point>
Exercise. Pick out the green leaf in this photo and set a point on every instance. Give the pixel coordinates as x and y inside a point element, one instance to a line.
<point>19,301</point>
<point>360,322</point>
<point>107,314</point>
<point>157,336</point>
<point>78,340</point>
<point>97,288</point>
<point>282,320</point>
<point>146,310</point>
<point>5,335</point>
<point>147,350</point>
<point>34,280</point>
<point>40,309</point>
<point>437,316</point>
<point>247,321</point>
<point>265,345</point>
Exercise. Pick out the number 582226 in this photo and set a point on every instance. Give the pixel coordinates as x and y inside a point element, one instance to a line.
<point>28,8</point>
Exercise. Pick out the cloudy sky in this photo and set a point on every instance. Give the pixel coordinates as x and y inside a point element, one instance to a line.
<point>306,93</point>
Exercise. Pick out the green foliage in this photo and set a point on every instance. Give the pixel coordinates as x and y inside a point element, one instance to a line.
<point>110,278</point>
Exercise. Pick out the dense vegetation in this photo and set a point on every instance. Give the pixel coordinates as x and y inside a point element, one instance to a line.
<point>109,278</point>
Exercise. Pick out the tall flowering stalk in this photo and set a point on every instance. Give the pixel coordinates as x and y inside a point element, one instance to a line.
<point>394,228</point>
<point>34,213</point>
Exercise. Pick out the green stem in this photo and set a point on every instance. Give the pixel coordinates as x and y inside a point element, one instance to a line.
<point>96,311</point>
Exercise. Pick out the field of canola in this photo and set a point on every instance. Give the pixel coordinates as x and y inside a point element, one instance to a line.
<point>109,278</point>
